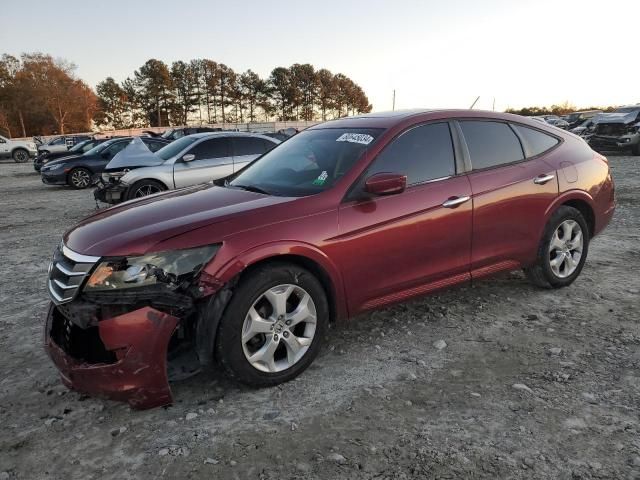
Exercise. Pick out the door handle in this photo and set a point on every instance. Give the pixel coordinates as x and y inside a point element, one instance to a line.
<point>542,179</point>
<point>455,201</point>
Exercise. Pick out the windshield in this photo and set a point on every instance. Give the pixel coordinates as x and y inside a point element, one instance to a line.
<point>309,163</point>
<point>79,146</point>
<point>102,146</point>
<point>174,148</point>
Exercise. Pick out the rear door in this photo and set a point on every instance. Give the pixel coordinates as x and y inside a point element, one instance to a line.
<point>512,189</point>
<point>212,160</point>
<point>397,246</point>
<point>245,150</point>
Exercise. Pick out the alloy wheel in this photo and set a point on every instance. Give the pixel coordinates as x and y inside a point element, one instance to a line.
<point>21,156</point>
<point>279,328</point>
<point>565,249</point>
<point>146,190</point>
<point>80,178</point>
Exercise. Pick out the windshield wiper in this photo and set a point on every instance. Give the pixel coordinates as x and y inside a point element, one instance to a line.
<point>250,188</point>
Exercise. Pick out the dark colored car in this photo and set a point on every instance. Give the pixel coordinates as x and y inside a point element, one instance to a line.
<point>77,171</point>
<point>347,216</point>
<point>75,151</point>
<point>576,119</point>
<point>617,131</point>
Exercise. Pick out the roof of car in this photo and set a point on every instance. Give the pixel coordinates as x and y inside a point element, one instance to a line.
<point>228,134</point>
<point>390,119</point>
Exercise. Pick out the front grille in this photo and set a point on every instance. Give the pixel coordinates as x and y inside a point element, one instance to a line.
<point>67,272</point>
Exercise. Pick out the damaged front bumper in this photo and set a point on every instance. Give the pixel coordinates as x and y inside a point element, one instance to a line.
<point>614,143</point>
<point>122,358</point>
<point>110,192</point>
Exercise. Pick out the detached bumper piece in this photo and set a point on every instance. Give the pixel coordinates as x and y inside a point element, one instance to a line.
<point>123,357</point>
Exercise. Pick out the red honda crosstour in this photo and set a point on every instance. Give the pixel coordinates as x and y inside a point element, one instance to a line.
<point>350,215</point>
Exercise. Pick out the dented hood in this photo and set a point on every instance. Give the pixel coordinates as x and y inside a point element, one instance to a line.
<point>623,118</point>
<point>133,228</point>
<point>136,154</point>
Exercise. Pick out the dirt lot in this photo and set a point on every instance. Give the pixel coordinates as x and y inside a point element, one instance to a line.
<point>530,384</point>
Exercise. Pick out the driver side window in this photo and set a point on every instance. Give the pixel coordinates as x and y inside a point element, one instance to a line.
<point>421,153</point>
<point>209,149</point>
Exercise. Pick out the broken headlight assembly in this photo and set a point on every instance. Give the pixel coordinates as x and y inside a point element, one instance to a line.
<point>172,269</point>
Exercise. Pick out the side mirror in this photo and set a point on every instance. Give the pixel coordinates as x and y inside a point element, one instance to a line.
<point>188,157</point>
<point>385,184</point>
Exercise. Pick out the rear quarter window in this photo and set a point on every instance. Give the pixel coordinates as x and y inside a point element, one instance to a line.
<point>535,142</point>
<point>491,144</point>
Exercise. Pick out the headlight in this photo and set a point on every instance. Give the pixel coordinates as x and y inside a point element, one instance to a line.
<point>172,269</point>
<point>54,167</point>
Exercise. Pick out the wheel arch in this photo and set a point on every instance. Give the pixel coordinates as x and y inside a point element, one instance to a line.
<point>19,147</point>
<point>150,179</point>
<point>579,200</point>
<point>303,255</point>
<point>76,167</point>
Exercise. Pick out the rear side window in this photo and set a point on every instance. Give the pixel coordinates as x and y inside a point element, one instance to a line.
<point>247,146</point>
<point>535,141</point>
<point>423,153</point>
<point>214,148</point>
<point>491,143</point>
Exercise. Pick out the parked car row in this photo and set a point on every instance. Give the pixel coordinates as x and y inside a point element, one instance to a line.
<point>77,170</point>
<point>136,172</point>
<point>615,131</point>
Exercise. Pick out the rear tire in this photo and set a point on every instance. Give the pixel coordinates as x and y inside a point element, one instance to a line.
<point>261,345</point>
<point>562,251</point>
<point>79,178</point>
<point>144,188</point>
<point>20,155</point>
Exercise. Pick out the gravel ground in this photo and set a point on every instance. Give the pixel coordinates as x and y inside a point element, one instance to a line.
<point>498,380</point>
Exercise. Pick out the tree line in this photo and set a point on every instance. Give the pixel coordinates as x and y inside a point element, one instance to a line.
<point>40,95</point>
<point>205,91</point>
<point>562,109</point>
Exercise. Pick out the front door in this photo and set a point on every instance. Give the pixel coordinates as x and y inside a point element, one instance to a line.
<point>212,160</point>
<point>398,246</point>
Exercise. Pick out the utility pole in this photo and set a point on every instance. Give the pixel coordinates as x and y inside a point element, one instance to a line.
<point>394,100</point>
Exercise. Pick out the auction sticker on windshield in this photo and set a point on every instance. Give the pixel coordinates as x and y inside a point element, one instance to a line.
<point>362,138</point>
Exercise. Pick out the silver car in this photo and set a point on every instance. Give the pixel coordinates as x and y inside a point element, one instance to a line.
<point>194,159</point>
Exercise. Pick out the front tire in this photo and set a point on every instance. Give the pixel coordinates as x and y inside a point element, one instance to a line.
<point>79,178</point>
<point>273,327</point>
<point>562,251</point>
<point>20,155</point>
<point>144,188</point>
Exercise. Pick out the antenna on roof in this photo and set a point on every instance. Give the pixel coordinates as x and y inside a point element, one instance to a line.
<point>393,108</point>
<point>474,103</point>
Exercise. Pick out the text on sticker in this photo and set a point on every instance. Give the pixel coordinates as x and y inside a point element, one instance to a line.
<point>362,138</point>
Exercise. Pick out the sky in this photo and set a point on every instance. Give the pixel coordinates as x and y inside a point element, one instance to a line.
<point>434,54</point>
